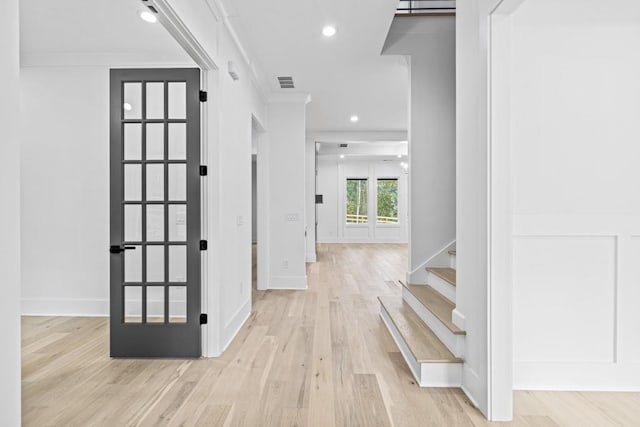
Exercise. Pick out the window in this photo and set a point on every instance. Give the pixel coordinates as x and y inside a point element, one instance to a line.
<point>357,201</point>
<point>388,201</point>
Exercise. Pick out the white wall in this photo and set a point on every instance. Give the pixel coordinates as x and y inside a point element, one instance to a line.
<point>332,175</point>
<point>310,199</point>
<point>65,190</point>
<point>574,131</point>
<point>287,192</point>
<point>430,43</point>
<point>10,403</point>
<point>233,105</point>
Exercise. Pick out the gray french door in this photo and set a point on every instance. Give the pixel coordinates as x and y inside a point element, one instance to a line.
<point>155,213</point>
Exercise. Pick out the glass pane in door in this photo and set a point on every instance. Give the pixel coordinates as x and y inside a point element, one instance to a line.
<point>155,304</point>
<point>155,263</point>
<point>155,100</point>
<point>132,105</point>
<point>177,304</point>
<point>155,141</point>
<point>155,223</point>
<point>155,182</point>
<point>133,304</point>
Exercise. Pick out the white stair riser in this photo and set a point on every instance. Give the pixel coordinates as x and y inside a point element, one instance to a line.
<point>441,375</point>
<point>426,374</point>
<point>455,343</point>
<point>452,261</point>
<point>445,288</point>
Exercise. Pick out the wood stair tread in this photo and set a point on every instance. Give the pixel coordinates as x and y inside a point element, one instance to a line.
<point>422,342</point>
<point>446,274</point>
<point>436,304</point>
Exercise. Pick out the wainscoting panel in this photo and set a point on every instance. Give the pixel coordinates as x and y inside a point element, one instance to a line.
<point>576,299</point>
<point>564,299</point>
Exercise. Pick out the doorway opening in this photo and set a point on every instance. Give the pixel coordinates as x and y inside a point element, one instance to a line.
<point>259,207</point>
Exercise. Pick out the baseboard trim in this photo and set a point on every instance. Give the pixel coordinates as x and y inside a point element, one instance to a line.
<point>234,325</point>
<point>458,319</point>
<point>373,241</point>
<point>473,387</point>
<point>418,275</point>
<point>72,307</point>
<point>576,376</point>
<point>288,282</point>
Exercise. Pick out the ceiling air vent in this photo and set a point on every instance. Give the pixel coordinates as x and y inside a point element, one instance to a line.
<point>286,82</point>
<point>344,145</point>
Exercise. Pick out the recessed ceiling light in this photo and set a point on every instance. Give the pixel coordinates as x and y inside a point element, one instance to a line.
<point>342,156</point>
<point>127,106</point>
<point>148,16</point>
<point>399,156</point>
<point>329,31</point>
<point>354,119</point>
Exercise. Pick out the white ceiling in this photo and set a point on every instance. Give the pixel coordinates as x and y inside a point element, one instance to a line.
<point>109,28</point>
<point>345,74</point>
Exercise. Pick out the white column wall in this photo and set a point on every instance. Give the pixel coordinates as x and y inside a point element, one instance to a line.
<point>10,403</point>
<point>286,192</point>
<point>231,106</point>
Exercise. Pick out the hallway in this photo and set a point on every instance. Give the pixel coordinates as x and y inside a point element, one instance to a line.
<point>318,357</point>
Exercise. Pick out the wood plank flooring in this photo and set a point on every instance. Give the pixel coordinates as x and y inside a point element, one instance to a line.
<point>320,357</point>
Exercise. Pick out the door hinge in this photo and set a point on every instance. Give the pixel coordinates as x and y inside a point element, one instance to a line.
<point>203,170</point>
<point>203,245</point>
<point>203,318</point>
<point>203,96</point>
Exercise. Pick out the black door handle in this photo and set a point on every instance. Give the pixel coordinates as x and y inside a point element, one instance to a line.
<point>115,249</point>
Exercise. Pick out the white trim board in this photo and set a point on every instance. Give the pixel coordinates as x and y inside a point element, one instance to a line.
<point>288,282</point>
<point>440,259</point>
<point>75,307</point>
<point>576,376</point>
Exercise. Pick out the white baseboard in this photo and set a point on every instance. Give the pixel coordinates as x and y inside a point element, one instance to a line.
<point>234,325</point>
<point>288,282</point>
<point>418,275</point>
<point>373,241</point>
<point>458,319</point>
<point>311,257</point>
<point>73,307</point>
<point>576,376</point>
<point>474,388</point>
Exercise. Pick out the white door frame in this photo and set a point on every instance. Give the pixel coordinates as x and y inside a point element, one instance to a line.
<point>499,292</point>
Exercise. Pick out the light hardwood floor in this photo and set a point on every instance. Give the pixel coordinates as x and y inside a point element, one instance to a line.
<point>320,357</point>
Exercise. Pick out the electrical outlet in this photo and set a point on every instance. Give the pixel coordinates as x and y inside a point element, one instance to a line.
<point>291,217</point>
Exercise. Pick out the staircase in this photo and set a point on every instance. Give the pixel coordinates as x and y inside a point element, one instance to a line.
<point>422,327</point>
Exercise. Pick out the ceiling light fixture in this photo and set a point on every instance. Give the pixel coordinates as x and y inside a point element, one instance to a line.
<point>148,16</point>
<point>342,156</point>
<point>127,106</point>
<point>354,119</point>
<point>399,156</point>
<point>329,31</point>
